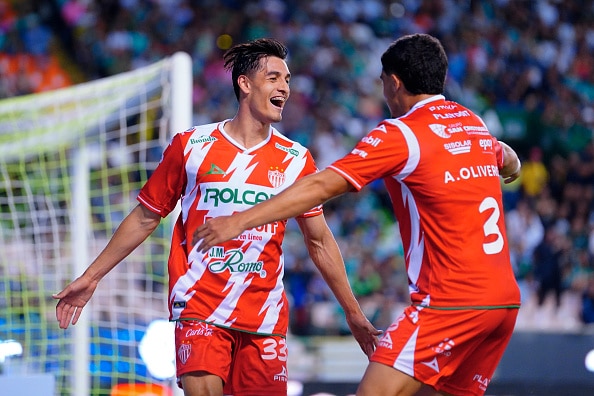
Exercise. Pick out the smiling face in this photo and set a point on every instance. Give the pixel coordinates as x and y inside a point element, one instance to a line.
<point>267,90</point>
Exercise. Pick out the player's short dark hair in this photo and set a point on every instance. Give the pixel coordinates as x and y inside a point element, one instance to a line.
<point>420,61</point>
<point>243,59</point>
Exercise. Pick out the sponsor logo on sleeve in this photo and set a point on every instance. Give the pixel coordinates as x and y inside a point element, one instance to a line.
<point>359,152</point>
<point>371,140</point>
<point>203,139</point>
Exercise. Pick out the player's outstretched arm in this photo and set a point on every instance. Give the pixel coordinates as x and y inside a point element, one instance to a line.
<point>304,194</point>
<point>133,230</point>
<point>73,299</point>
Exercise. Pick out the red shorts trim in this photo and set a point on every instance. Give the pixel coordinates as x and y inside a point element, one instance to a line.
<point>249,364</point>
<point>454,351</point>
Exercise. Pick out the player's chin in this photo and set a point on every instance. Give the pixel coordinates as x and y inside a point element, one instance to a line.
<point>277,117</point>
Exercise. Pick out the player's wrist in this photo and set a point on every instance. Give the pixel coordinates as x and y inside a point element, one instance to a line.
<point>518,167</point>
<point>512,169</point>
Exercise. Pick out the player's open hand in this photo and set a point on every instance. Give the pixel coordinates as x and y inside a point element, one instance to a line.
<point>364,332</point>
<point>72,300</point>
<point>215,231</point>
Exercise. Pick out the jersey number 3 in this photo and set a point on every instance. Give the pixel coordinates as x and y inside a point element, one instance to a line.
<point>491,227</point>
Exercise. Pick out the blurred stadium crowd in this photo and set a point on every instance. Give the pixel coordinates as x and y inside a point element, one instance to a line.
<point>526,66</point>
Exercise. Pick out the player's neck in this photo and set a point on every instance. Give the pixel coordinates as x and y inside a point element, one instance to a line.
<point>247,132</point>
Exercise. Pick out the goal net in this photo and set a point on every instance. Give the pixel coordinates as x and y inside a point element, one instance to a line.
<point>71,164</point>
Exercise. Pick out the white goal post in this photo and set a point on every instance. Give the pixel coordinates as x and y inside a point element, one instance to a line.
<point>71,164</point>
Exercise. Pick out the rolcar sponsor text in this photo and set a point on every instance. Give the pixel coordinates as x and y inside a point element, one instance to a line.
<point>229,195</point>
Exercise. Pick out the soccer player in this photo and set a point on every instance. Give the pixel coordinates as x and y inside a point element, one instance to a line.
<point>229,305</point>
<point>441,168</point>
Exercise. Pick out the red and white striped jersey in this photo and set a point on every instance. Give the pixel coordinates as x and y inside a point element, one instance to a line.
<point>441,168</point>
<point>239,283</point>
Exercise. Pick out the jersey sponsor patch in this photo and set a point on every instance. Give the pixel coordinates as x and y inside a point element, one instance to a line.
<point>233,261</point>
<point>203,139</point>
<point>289,150</point>
<point>458,147</point>
<point>440,130</point>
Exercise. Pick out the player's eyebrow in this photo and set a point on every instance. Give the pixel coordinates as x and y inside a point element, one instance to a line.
<point>274,73</point>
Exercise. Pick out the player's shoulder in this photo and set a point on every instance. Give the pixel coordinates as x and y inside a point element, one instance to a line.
<point>205,129</point>
<point>436,111</point>
<point>437,104</point>
<point>197,134</point>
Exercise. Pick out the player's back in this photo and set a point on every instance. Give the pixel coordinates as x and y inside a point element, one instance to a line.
<point>448,203</point>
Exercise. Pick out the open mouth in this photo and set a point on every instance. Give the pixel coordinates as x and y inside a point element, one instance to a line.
<point>278,101</point>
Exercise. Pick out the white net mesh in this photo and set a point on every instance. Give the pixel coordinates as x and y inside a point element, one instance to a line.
<point>112,132</point>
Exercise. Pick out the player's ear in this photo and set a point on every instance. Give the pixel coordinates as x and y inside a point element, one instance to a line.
<point>244,83</point>
<point>396,81</point>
